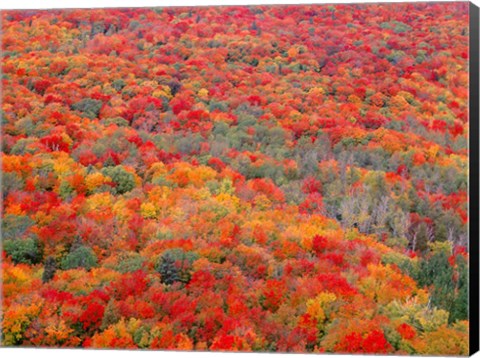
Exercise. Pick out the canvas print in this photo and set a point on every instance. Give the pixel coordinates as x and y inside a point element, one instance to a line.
<point>237,178</point>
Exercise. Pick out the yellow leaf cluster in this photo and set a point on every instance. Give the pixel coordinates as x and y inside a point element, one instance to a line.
<point>99,201</point>
<point>58,334</point>
<point>203,93</point>
<point>148,210</point>
<point>316,306</point>
<point>262,202</point>
<point>95,180</point>
<point>17,318</point>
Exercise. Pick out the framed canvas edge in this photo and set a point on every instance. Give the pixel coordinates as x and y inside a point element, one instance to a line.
<point>474,158</point>
<point>474,177</point>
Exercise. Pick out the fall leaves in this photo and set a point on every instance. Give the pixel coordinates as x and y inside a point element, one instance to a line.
<point>237,178</point>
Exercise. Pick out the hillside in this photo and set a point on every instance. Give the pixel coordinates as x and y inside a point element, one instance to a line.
<point>237,178</point>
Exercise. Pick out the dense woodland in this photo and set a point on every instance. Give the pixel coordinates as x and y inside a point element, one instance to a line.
<point>237,178</point>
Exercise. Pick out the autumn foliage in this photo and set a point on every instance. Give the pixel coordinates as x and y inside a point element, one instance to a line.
<point>256,178</point>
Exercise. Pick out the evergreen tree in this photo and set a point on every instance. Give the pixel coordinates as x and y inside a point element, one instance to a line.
<point>460,306</point>
<point>49,270</point>
<point>167,269</point>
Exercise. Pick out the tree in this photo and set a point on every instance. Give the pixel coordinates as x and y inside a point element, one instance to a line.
<point>15,226</point>
<point>169,273</point>
<point>80,256</point>
<point>460,306</point>
<point>23,250</point>
<point>89,107</point>
<point>111,315</point>
<point>174,265</point>
<point>49,269</point>
<point>124,180</point>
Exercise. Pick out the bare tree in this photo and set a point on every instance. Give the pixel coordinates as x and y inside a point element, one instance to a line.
<point>380,214</point>
<point>462,240</point>
<point>400,224</point>
<point>430,233</point>
<point>451,238</point>
<point>364,218</point>
<point>348,212</point>
<point>413,239</point>
<point>345,162</point>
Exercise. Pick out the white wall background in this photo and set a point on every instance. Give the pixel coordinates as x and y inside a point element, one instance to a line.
<point>79,353</point>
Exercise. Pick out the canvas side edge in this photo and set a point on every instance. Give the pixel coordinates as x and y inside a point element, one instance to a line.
<point>474,176</point>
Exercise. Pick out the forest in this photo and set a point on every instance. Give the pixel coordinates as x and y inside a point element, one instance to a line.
<point>238,178</point>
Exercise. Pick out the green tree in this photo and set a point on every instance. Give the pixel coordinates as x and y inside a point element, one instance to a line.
<point>11,182</point>
<point>79,256</point>
<point>436,272</point>
<point>15,226</point>
<point>175,265</point>
<point>460,306</point>
<point>111,315</point>
<point>130,263</point>
<point>125,181</point>
<point>89,107</point>
<point>24,251</point>
<point>166,268</point>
